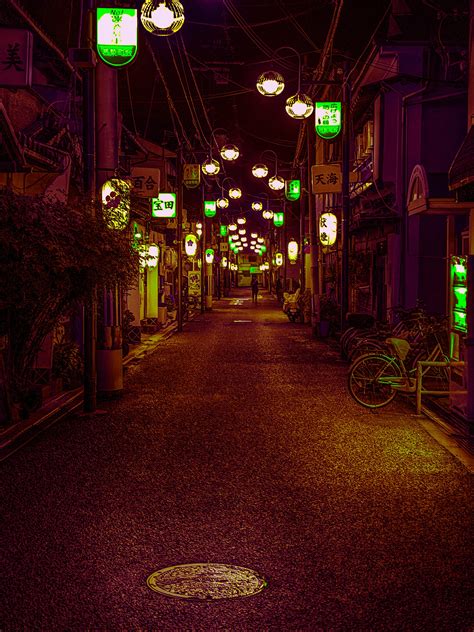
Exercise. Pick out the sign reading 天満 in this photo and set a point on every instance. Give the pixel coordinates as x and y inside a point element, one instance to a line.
<point>117,32</point>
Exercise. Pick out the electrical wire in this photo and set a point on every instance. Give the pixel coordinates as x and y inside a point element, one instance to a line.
<point>131,103</point>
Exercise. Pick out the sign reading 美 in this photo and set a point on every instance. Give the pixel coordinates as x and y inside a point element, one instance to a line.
<point>117,31</point>
<point>16,48</point>
<point>328,118</point>
<point>164,205</point>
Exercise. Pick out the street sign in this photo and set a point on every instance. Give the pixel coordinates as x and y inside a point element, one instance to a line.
<point>210,208</point>
<point>191,175</point>
<point>164,205</point>
<point>117,33</point>
<point>292,190</point>
<point>326,178</point>
<point>328,118</point>
<point>224,247</point>
<point>16,52</point>
<point>278,219</point>
<point>145,181</point>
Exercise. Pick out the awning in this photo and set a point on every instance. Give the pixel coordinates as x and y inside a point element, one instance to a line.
<point>461,172</point>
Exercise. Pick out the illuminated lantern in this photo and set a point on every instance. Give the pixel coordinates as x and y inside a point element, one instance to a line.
<point>267,214</point>
<point>278,259</point>
<point>257,206</point>
<point>209,208</point>
<point>254,235</point>
<point>223,230</point>
<point>116,203</point>
<point>292,190</point>
<point>241,220</point>
<point>276,183</point>
<point>235,193</point>
<point>209,255</point>
<point>270,83</point>
<point>278,219</point>
<point>229,152</point>
<point>292,251</point>
<point>117,32</point>
<point>210,167</point>
<point>162,17</point>
<point>327,229</point>
<point>242,231</point>
<point>224,262</point>
<point>232,226</point>
<point>260,171</point>
<point>190,245</point>
<point>153,255</point>
<point>328,118</point>
<point>222,202</point>
<point>299,106</point>
<point>260,240</point>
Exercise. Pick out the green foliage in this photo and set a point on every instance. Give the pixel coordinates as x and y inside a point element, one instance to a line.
<point>52,256</point>
<point>68,363</point>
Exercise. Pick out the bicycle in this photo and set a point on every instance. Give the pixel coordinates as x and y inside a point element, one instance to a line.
<point>375,378</point>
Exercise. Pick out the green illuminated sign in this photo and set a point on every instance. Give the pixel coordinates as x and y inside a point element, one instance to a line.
<point>210,208</point>
<point>278,219</point>
<point>164,205</point>
<point>458,293</point>
<point>117,31</point>
<point>292,190</point>
<point>223,230</point>
<point>328,118</point>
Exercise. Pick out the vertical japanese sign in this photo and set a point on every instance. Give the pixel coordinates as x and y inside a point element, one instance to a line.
<point>278,219</point>
<point>117,32</point>
<point>210,208</point>
<point>292,190</point>
<point>191,175</point>
<point>164,205</point>
<point>328,118</point>
<point>16,57</point>
<point>327,229</point>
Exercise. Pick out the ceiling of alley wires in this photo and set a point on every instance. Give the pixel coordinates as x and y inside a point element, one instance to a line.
<point>207,71</point>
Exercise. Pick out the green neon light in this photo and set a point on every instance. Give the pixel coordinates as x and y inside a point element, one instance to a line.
<point>328,118</point>
<point>223,230</point>
<point>460,320</point>
<point>292,190</point>
<point>278,219</point>
<point>460,298</point>
<point>117,33</point>
<point>210,208</point>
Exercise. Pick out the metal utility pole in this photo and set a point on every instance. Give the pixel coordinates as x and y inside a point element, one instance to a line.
<point>203,254</point>
<point>302,235</point>
<point>90,306</point>
<point>346,208</point>
<point>179,235</point>
<point>313,239</point>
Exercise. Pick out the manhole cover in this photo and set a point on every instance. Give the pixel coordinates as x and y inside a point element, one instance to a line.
<point>206,581</point>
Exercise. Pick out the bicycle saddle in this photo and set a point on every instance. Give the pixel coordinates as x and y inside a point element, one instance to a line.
<point>400,346</point>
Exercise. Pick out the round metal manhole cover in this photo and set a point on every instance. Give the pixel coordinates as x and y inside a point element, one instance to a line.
<point>206,581</point>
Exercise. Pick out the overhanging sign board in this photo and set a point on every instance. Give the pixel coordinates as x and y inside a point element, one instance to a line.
<point>328,118</point>
<point>117,32</point>
<point>145,181</point>
<point>16,54</point>
<point>191,175</point>
<point>164,205</point>
<point>326,178</point>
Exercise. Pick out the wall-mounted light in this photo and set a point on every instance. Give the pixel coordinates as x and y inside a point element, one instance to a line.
<point>327,229</point>
<point>116,203</point>
<point>257,206</point>
<point>229,152</point>
<point>209,255</point>
<point>292,251</point>
<point>276,183</point>
<point>267,214</point>
<point>190,245</point>
<point>210,167</point>
<point>222,202</point>
<point>278,219</point>
<point>235,193</point>
<point>260,170</point>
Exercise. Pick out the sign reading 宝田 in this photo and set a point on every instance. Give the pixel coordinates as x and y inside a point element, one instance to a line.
<point>164,205</point>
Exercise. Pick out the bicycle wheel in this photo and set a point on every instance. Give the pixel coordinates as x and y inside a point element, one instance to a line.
<point>369,380</point>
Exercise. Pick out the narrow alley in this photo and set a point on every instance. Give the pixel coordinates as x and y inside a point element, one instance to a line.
<point>236,442</point>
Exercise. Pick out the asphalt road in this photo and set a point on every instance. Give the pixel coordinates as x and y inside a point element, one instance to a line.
<point>236,442</point>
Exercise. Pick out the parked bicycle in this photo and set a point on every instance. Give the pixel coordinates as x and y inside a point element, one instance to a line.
<point>375,378</point>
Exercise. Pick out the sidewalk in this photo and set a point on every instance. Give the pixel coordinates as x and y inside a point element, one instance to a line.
<point>54,408</point>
